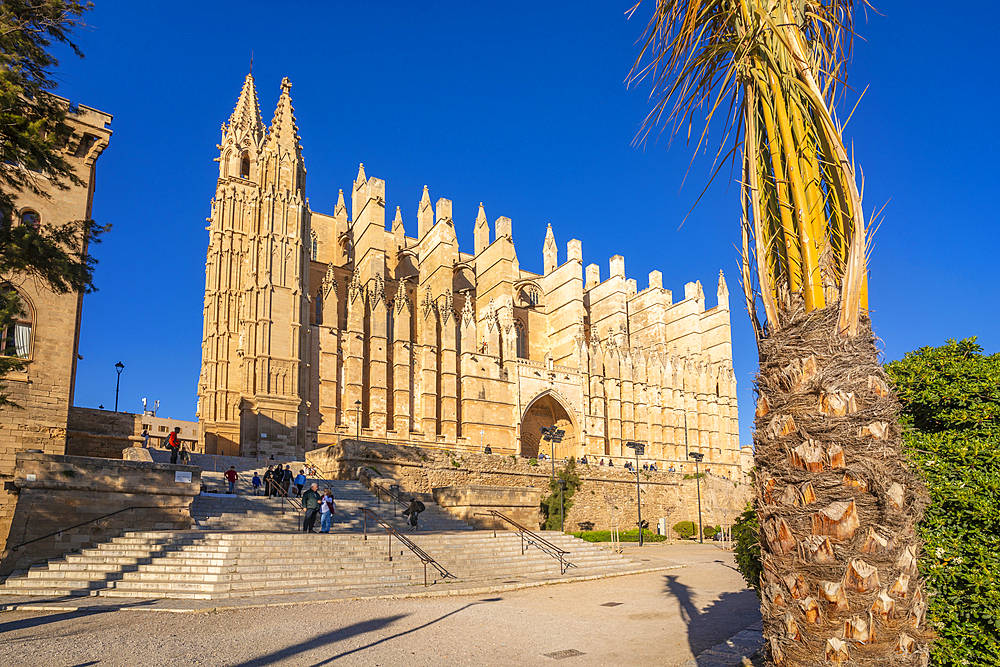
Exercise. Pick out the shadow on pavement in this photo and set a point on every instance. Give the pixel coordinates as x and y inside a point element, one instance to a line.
<point>341,634</point>
<point>319,641</point>
<point>46,618</point>
<point>731,613</point>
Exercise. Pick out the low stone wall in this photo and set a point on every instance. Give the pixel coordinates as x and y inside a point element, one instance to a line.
<point>100,433</point>
<point>471,503</point>
<point>606,495</point>
<point>57,492</point>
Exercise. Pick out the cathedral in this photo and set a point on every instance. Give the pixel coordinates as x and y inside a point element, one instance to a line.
<point>320,327</point>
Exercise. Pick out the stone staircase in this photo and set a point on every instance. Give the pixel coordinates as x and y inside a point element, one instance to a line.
<point>244,545</point>
<point>212,565</point>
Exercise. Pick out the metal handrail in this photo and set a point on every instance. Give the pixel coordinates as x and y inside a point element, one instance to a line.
<point>420,553</point>
<point>284,496</point>
<point>395,499</point>
<point>529,537</point>
<point>80,525</point>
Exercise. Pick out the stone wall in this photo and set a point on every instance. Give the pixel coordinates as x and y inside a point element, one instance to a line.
<point>44,389</point>
<point>606,493</point>
<point>57,492</point>
<point>471,503</point>
<point>100,433</point>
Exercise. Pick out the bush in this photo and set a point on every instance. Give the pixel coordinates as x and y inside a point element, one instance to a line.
<point>685,529</point>
<point>746,547</point>
<point>951,419</point>
<point>710,531</point>
<point>550,504</point>
<point>626,536</point>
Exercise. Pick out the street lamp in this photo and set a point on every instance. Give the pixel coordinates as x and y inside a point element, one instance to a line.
<point>118,367</point>
<point>698,456</point>
<point>358,408</point>
<point>562,507</point>
<point>638,448</point>
<point>553,435</point>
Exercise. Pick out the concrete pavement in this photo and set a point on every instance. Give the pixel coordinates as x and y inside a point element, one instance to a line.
<point>676,616</point>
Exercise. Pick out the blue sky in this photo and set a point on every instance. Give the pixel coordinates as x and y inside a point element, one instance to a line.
<point>521,106</point>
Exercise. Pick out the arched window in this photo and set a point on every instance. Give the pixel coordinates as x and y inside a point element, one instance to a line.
<point>314,247</point>
<point>520,339</point>
<point>245,166</point>
<point>319,306</point>
<point>15,339</point>
<point>30,218</point>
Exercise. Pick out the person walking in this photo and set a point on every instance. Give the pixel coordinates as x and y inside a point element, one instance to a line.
<point>327,508</point>
<point>174,444</point>
<point>185,456</point>
<point>145,438</point>
<point>300,483</point>
<point>256,483</point>
<point>415,507</point>
<point>286,479</point>
<point>310,503</point>
<point>231,477</point>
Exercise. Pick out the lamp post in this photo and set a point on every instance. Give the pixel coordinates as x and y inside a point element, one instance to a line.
<point>562,508</point>
<point>358,409</point>
<point>638,448</point>
<point>118,367</point>
<point>553,435</point>
<point>698,456</point>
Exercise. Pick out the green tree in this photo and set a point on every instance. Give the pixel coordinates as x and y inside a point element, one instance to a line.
<point>951,411</point>
<point>550,504</point>
<point>34,133</point>
<point>836,501</point>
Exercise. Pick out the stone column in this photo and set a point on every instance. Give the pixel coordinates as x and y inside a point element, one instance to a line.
<point>377,358</point>
<point>449,368</point>
<point>402,364</point>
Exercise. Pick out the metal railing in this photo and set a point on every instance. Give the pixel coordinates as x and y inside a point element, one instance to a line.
<point>85,523</point>
<point>281,493</point>
<point>531,538</point>
<point>408,543</point>
<point>396,500</point>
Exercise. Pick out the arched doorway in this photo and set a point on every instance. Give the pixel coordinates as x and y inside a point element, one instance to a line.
<point>546,410</point>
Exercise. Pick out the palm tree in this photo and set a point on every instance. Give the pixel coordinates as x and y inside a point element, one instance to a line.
<point>836,503</point>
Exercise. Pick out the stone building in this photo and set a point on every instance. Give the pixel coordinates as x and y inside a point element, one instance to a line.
<point>48,332</point>
<point>322,326</point>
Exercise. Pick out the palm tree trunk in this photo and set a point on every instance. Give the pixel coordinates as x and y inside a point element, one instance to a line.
<point>837,504</point>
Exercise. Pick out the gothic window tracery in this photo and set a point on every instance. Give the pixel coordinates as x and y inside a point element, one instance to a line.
<point>245,166</point>
<point>520,339</point>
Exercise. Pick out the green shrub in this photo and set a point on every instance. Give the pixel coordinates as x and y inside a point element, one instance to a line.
<point>746,547</point>
<point>685,529</point>
<point>626,536</point>
<point>550,504</point>
<point>710,531</point>
<point>695,476</point>
<point>532,462</point>
<point>951,418</point>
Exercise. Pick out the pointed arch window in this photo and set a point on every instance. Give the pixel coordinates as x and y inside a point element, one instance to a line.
<point>15,338</point>
<point>314,247</point>
<point>245,166</point>
<point>520,339</point>
<point>319,306</point>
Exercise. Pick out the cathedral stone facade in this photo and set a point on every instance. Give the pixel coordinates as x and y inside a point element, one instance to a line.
<point>319,327</point>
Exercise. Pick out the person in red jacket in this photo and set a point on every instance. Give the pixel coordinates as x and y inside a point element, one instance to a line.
<point>174,444</point>
<point>231,476</point>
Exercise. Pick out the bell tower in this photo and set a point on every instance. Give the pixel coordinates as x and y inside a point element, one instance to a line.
<point>251,390</point>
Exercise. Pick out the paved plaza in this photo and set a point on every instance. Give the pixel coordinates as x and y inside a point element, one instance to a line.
<point>664,617</point>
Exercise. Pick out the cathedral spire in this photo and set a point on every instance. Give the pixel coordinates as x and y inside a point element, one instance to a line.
<point>284,132</point>
<point>481,233</point>
<point>362,178</point>
<point>245,122</point>
<point>397,223</point>
<point>425,214</point>
<point>341,206</point>
<point>550,252</point>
